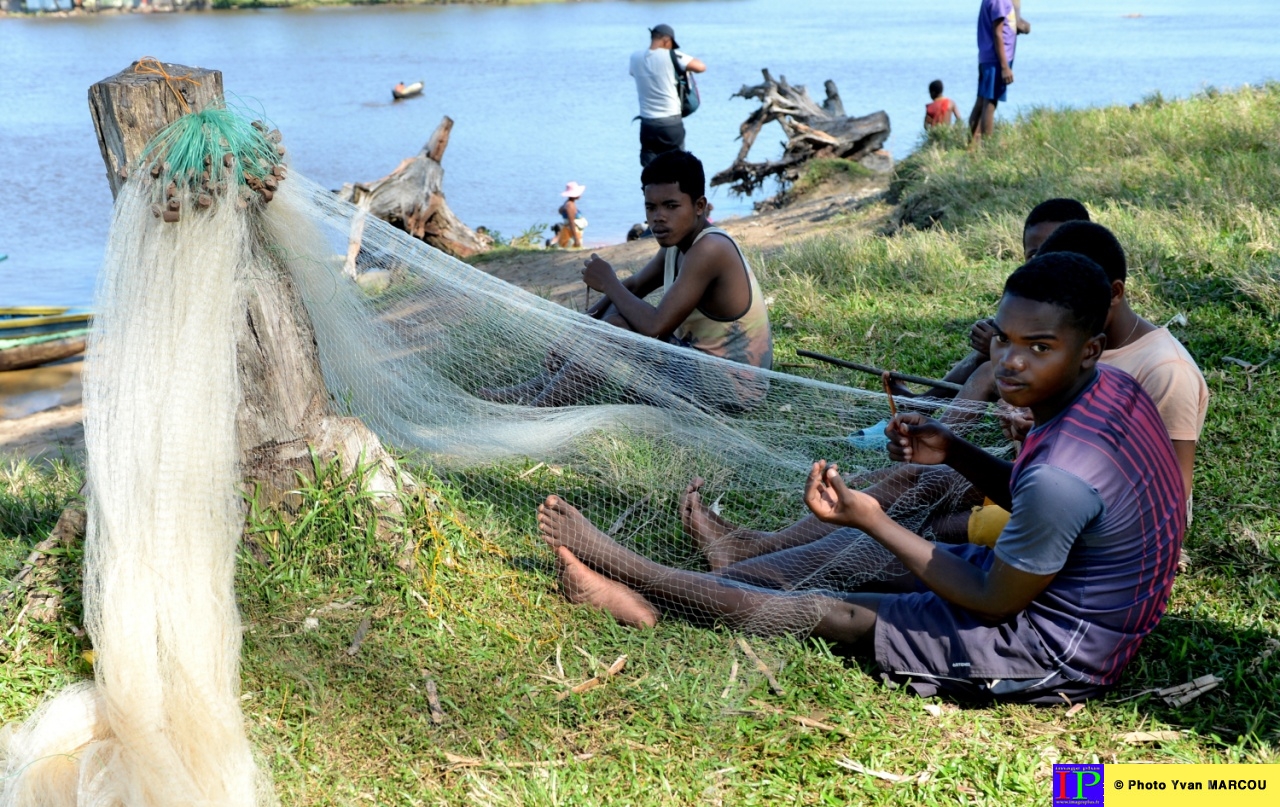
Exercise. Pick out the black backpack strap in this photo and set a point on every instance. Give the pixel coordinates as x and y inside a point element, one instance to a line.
<point>676,63</point>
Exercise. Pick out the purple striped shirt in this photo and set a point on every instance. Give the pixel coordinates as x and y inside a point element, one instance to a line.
<point>1115,584</point>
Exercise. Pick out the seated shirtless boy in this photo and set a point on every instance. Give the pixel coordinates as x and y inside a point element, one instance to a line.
<point>710,299</point>
<point>1060,605</point>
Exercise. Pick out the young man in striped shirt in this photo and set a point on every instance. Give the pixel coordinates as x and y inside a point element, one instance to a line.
<point>1079,577</point>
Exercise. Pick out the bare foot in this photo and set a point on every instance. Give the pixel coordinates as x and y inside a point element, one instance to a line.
<point>562,524</point>
<point>720,541</point>
<point>585,587</point>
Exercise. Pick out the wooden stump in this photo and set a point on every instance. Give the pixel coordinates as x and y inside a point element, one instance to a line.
<point>132,107</point>
<point>285,410</point>
<point>412,198</point>
<point>811,130</point>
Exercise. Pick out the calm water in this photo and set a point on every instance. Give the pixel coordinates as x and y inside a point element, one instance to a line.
<point>540,94</point>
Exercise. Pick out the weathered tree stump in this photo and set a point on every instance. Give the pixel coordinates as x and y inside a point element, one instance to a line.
<point>285,410</point>
<point>811,130</point>
<point>132,107</point>
<point>412,198</point>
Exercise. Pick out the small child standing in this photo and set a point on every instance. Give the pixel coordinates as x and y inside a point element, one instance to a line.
<point>942,110</point>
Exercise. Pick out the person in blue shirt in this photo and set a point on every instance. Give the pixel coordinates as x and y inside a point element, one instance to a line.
<point>998,29</point>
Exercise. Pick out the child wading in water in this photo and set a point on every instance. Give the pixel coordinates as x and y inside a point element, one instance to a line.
<point>942,109</point>
<point>1078,578</point>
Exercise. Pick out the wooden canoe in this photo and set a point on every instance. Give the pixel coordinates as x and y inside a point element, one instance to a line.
<point>35,352</point>
<point>7,312</point>
<point>20,326</point>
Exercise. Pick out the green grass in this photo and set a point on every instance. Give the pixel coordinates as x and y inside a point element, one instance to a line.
<point>1192,189</point>
<point>825,169</point>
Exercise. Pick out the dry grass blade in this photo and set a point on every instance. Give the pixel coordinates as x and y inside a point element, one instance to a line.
<point>1141,737</point>
<point>896,778</point>
<point>807,722</point>
<point>529,472</point>
<point>733,676</point>
<point>761,666</point>
<point>1183,694</point>
<point>595,681</point>
<point>433,701</point>
<point>361,633</point>
<point>612,532</point>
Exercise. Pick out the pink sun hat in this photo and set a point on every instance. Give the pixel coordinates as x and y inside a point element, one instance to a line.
<point>573,190</point>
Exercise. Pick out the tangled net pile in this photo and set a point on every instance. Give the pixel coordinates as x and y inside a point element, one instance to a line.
<point>413,359</point>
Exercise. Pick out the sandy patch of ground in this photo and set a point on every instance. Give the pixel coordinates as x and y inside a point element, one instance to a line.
<point>49,434</point>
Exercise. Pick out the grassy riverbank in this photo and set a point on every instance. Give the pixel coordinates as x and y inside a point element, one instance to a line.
<point>1191,187</point>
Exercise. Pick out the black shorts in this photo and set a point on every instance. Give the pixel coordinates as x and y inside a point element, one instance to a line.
<point>660,135</point>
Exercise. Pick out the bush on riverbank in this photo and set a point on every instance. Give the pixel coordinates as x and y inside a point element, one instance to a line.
<point>1191,189</point>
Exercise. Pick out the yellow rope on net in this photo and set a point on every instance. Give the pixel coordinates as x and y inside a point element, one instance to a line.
<point>149,65</point>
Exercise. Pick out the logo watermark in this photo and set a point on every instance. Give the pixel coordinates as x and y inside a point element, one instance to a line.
<point>1078,785</point>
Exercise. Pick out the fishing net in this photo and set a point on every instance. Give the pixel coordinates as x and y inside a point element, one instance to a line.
<point>509,396</point>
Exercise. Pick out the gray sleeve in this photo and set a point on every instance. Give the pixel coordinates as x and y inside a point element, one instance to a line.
<point>1051,508</point>
<point>684,59</point>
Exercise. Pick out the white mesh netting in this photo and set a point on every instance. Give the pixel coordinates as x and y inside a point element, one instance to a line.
<point>444,363</point>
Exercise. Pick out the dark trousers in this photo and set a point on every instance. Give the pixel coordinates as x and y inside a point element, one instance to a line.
<point>660,135</point>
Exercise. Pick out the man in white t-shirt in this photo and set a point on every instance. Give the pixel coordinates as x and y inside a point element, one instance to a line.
<point>661,126</point>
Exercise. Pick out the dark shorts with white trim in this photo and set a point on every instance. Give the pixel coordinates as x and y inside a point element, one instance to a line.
<point>936,648</point>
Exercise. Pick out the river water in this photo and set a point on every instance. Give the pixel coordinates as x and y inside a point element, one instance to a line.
<point>540,94</point>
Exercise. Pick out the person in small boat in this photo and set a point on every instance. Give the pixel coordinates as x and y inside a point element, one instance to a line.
<point>568,232</point>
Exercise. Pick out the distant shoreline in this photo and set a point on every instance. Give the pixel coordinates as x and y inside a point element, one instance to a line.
<point>91,7</point>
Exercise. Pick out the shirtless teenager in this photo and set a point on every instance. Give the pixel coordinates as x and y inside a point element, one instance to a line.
<point>710,299</point>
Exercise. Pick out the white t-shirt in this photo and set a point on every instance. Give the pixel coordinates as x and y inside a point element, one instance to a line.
<point>656,81</point>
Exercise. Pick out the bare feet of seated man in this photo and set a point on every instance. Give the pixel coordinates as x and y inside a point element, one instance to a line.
<point>720,542</point>
<point>561,523</point>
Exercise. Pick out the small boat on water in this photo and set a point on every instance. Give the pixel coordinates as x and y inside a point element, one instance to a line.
<point>33,351</point>
<point>19,322</point>
<point>403,90</point>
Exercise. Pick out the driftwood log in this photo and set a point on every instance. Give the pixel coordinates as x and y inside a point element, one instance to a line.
<point>412,198</point>
<point>812,130</point>
<point>21,357</point>
<point>285,412</point>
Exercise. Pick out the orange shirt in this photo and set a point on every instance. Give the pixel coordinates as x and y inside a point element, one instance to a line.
<point>939,111</point>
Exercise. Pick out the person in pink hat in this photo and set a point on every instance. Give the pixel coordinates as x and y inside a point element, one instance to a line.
<point>569,230</point>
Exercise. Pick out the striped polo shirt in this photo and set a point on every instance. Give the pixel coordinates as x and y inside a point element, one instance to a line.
<point>1115,583</point>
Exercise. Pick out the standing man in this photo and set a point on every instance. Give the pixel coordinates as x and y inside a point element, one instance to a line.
<point>661,126</point>
<point>998,29</point>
